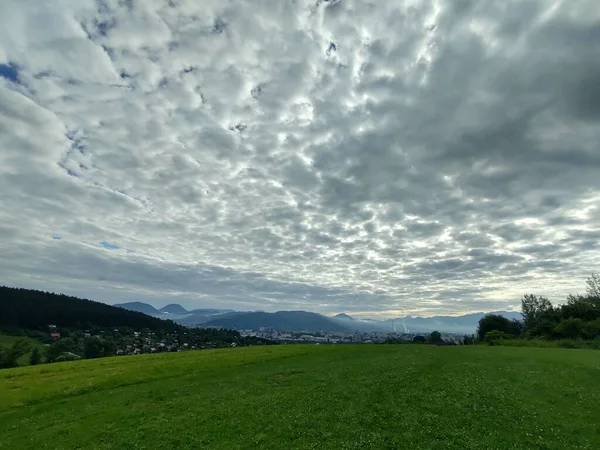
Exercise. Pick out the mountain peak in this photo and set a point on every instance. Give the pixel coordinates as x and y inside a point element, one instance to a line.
<point>173,308</point>
<point>343,316</point>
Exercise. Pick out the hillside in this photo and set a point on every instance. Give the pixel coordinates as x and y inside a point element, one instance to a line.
<point>309,397</point>
<point>140,307</point>
<point>343,316</point>
<point>174,308</point>
<point>176,312</point>
<point>35,310</point>
<point>281,320</point>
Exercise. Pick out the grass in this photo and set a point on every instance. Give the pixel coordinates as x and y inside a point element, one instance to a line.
<point>309,397</point>
<point>546,343</point>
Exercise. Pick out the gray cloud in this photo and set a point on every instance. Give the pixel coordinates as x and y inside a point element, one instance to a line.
<point>355,155</point>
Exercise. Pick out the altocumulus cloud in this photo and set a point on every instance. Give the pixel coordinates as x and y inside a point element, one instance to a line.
<point>368,156</point>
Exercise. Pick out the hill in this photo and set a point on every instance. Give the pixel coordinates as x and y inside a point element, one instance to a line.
<point>140,307</point>
<point>35,310</point>
<point>175,309</point>
<point>176,312</point>
<point>302,397</point>
<point>281,321</point>
<point>343,316</point>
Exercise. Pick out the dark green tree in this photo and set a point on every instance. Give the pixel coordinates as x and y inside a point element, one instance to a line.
<point>98,348</point>
<point>59,347</point>
<point>569,328</point>
<point>593,286</point>
<point>491,322</point>
<point>591,330</point>
<point>36,357</point>
<point>7,359</point>
<point>538,314</point>
<point>435,337</point>
<point>419,340</point>
<point>93,348</point>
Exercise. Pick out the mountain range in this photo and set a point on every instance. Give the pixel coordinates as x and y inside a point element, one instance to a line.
<point>310,321</point>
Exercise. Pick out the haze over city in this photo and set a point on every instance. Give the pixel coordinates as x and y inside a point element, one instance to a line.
<point>369,157</point>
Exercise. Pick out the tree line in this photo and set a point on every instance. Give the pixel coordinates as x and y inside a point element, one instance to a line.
<point>577,318</point>
<point>35,310</point>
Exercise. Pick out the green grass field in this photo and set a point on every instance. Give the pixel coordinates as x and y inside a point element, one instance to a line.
<point>309,397</point>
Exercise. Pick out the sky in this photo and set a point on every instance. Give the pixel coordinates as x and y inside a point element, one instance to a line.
<point>379,158</point>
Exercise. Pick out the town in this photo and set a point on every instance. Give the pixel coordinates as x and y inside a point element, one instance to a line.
<point>352,337</point>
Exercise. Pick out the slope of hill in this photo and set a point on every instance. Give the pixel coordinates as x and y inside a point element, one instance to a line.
<point>281,320</point>
<point>343,316</point>
<point>175,309</point>
<point>198,317</point>
<point>309,397</point>
<point>140,307</point>
<point>35,310</point>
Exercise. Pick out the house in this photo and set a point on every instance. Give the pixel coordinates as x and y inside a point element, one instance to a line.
<point>55,336</point>
<point>136,351</point>
<point>119,352</point>
<point>152,350</point>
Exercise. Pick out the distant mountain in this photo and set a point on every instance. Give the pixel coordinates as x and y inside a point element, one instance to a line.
<point>141,307</point>
<point>366,326</point>
<point>343,316</point>
<point>177,312</point>
<point>281,321</point>
<point>308,321</point>
<point>466,324</point>
<point>174,308</point>
<point>198,317</point>
<point>209,311</point>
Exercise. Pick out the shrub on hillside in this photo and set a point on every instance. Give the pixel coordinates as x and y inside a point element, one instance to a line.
<point>492,337</point>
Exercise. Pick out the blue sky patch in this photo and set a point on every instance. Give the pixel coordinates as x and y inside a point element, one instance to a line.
<point>109,245</point>
<point>56,238</point>
<point>9,71</point>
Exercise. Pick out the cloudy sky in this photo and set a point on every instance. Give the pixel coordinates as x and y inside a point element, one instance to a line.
<point>375,157</point>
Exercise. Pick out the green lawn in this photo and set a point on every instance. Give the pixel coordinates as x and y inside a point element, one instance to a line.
<point>309,397</point>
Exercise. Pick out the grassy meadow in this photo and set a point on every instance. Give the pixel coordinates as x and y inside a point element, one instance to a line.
<point>309,397</point>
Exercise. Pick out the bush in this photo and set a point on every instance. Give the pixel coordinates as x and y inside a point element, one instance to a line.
<point>35,357</point>
<point>492,337</point>
<point>591,330</point>
<point>569,328</point>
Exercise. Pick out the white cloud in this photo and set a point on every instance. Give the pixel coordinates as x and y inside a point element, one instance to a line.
<point>349,155</point>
